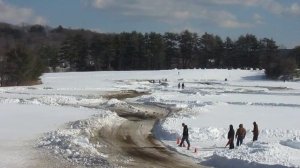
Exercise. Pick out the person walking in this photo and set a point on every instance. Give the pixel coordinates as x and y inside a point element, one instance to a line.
<point>230,137</point>
<point>240,135</point>
<point>185,136</point>
<point>179,85</point>
<point>255,131</point>
<point>182,85</point>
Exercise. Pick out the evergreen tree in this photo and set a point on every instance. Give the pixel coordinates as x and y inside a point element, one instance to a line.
<point>171,49</point>
<point>228,58</point>
<point>22,66</point>
<point>188,47</point>
<point>49,56</point>
<point>156,52</point>
<point>246,51</point>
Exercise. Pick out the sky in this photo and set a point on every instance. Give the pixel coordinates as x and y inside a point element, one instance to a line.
<point>276,19</point>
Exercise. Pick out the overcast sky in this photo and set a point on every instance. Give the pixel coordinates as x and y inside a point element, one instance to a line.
<point>277,19</point>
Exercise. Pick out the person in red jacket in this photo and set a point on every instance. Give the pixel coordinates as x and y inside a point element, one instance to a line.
<point>230,137</point>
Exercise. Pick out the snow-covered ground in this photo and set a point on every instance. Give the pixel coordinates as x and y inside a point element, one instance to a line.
<point>209,105</point>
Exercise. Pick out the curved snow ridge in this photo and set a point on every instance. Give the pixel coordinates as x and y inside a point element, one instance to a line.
<point>293,143</point>
<point>74,142</point>
<point>82,89</point>
<point>262,93</point>
<point>59,100</point>
<point>70,100</point>
<point>265,104</point>
<point>178,103</point>
<point>197,91</point>
<point>279,133</point>
<point>11,101</point>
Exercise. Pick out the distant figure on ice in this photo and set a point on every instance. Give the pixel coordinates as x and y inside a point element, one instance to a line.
<point>182,86</point>
<point>185,136</point>
<point>230,137</point>
<point>225,79</point>
<point>255,131</point>
<point>240,135</point>
<point>179,85</point>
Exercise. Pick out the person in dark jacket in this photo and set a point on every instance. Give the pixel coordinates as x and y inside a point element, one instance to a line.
<point>230,137</point>
<point>185,136</point>
<point>179,85</point>
<point>182,86</point>
<point>255,131</point>
<point>240,135</point>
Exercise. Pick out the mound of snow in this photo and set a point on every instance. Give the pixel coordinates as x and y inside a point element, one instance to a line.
<point>258,154</point>
<point>114,102</point>
<point>293,143</point>
<point>73,143</point>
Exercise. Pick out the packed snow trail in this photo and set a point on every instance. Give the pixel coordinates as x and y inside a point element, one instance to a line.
<point>133,140</point>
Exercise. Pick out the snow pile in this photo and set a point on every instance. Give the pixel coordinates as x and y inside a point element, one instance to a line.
<point>208,133</point>
<point>293,143</point>
<point>115,102</point>
<point>257,154</point>
<point>74,143</point>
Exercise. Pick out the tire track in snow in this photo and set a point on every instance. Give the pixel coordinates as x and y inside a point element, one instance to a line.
<point>133,140</point>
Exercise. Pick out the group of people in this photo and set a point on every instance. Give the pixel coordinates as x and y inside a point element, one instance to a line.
<point>182,85</point>
<point>240,135</point>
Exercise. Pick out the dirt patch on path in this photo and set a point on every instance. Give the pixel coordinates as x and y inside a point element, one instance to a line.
<point>121,95</point>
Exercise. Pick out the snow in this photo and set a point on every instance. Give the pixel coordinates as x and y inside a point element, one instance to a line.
<point>25,120</point>
<point>73,143</point>
<point>20,123</point>
<point>293,143</point>
<point>208,106</point>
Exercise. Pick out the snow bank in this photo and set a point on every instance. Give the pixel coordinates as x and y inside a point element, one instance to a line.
<point>253,154</point>
<point>74,142</point>
<point>293,143</point>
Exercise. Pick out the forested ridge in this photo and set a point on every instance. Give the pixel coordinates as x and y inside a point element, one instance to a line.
<point>29,50</point>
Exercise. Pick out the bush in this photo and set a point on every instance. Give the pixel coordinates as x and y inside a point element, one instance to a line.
<point>281,66</point>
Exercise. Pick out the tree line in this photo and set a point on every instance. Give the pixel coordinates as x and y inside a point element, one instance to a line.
<point>29,50</point>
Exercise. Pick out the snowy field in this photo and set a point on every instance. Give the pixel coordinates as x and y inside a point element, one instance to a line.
<point>208,106</point>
